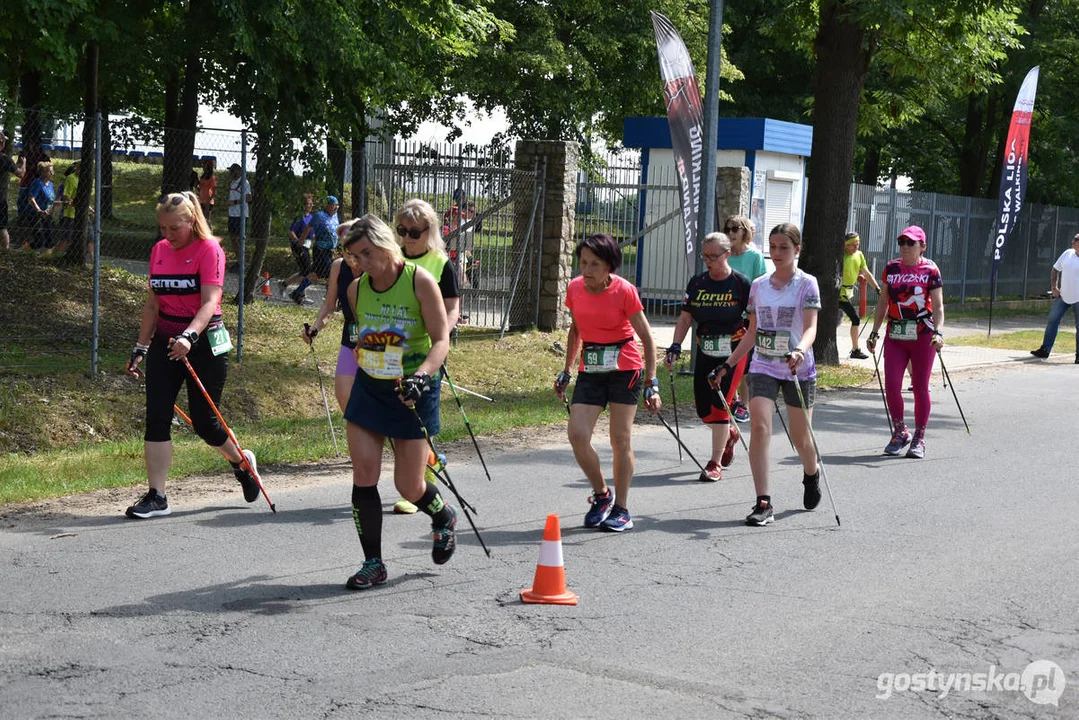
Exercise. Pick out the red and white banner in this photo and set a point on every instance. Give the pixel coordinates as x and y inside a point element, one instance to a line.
<point>685,113</point>
<point>1013,176</point>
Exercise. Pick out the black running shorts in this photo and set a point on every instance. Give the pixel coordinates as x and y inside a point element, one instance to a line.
<point>622,387</point>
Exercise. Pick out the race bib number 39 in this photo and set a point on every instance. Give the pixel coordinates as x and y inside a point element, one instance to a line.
<point>773,343</point>
<point>903,329</point>
<point>717,346</point>
<point>601,358</point>
<point>385,364</point>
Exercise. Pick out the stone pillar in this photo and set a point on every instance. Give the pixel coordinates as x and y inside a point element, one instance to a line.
<point>559,161</point>
<point>732,193</point>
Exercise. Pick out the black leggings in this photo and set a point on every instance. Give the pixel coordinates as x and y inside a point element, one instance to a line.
<point>164,378</point>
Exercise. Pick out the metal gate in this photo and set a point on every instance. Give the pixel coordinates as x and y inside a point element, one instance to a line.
<point>490,221</point>
<point>646,219</point>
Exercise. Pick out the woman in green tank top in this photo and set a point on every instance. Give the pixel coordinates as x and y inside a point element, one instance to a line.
<point>402,339</point>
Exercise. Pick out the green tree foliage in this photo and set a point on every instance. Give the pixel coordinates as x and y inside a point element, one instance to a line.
<point>574,69</point>
<point>934,45</point>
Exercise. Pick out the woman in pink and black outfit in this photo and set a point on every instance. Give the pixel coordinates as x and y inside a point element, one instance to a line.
<point>182,318</point>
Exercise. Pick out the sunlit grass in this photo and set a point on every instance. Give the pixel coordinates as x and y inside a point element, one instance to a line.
<point>1019,340</point>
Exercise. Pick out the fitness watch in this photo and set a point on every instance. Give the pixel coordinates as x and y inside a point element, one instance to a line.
<point>191,336</point>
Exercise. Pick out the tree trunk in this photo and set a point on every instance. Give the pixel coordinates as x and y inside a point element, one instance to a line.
<point>80,250</point>
<point>335,155</point>
<point>180,132</point>
<point>30,99</point>
<point>871,166</point>
<point>842,65</point>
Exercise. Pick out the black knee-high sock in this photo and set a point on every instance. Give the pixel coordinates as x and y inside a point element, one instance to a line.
<point>432,504</point>
<point>367,514</point>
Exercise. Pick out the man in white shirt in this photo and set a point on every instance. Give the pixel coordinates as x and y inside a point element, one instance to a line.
<point>1064,283</point>
<point>239,197</point>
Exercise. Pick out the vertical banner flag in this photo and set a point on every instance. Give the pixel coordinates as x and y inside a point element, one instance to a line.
<point>686,117</point>
<point>1013,175</point>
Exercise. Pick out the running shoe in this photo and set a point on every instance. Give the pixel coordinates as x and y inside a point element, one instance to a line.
<point>899,440</point>
<point>917,447</point>
<point>297,297</point>
<point>811,492</point>
<point>711,472</point>
<point>740,411</point>
<point>1040,353</point>
<point>857,354</point>
<point>373,572</point>
<point>618,520</point>
<point>247,480</point>
<point>762,514</point>
<point>728,452</point>
<point>445,539</point>
<point>152,504</point>
<point>404,507</point>
<point>601,508</point>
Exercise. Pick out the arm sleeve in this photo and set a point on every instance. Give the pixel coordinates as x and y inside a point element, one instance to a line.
<point>447,284</point>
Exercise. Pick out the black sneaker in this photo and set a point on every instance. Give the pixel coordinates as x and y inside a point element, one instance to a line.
<point>857,354</point>
<point>762,514</point>
<point>297,297</point>
<point>1043,354</point>
<point>151,505</point>
<point>445,539</point>
<point>372,573</point>
<point>811,493</point>
<point>247,479</point>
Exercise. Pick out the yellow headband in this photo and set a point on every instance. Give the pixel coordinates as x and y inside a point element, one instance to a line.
<point>851,240</point>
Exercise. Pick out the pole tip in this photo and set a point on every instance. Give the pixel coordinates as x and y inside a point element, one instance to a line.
<point>273,507</point>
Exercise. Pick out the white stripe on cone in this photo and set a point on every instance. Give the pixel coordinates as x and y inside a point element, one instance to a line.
<point>550,553</point>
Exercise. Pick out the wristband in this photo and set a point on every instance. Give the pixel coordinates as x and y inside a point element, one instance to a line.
<point>727,368</point>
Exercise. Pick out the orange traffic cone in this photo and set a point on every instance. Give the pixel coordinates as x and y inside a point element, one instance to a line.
<point>265,289</point>
<point>549,585</point>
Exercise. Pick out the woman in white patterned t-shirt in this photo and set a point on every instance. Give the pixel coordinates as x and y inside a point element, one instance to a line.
<point>782,313</point>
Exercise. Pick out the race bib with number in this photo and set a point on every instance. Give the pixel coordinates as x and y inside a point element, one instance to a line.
<point>903,329</point>
<point>773,343</point>
<point>384,363</point>
<point>219,340</point>
<point>601,358</point>
<point>717,346</point>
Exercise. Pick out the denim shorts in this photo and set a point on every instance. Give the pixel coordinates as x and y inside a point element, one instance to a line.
<point>374,405</point>
<point>622,387</point>
<point>761,385</point>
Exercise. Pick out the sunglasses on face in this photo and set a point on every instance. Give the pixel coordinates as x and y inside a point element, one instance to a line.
<point>907,242</point>
<point>709,257</point>
<point>414,234</point>
<point>732,228</point>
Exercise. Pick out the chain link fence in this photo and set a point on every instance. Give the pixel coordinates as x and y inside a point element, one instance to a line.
<point>484,201</point>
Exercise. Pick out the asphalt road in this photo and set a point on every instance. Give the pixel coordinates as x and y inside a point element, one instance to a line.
<point>962,563</point>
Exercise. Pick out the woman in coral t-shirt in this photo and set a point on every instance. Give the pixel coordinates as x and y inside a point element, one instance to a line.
<point>606,313</point>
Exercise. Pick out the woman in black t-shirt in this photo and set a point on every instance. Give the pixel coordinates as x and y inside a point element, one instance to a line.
<point>716,301</point>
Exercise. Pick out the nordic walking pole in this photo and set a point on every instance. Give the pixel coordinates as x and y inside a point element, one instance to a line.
<point>325,403</point>
<point>681,444</point>
<point>468,425</point>
<point>883,397</point>
<point>445,478</point>
<point>471,392</point>
<point>783,422</point>
<point>727,408</point>
<point>232,435</point>
<point>677,431</point>
<point>816,447</point>
<point>948,379</point>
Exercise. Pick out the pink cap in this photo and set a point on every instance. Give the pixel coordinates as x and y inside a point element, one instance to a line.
<point>914,233</point>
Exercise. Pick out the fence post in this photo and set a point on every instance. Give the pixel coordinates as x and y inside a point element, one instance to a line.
<point>96,330</point>
<point>966,252</point>
<point>243,248</point>
<point>542,210</point>
<point>894,220</point>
